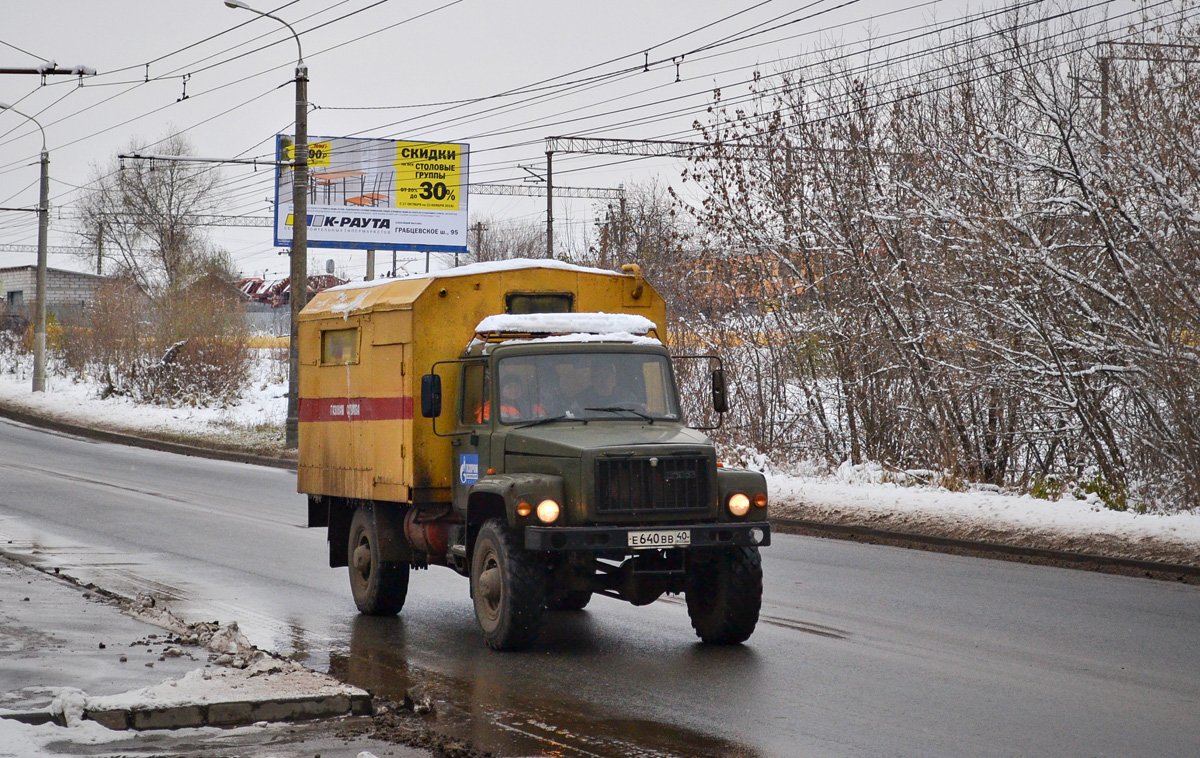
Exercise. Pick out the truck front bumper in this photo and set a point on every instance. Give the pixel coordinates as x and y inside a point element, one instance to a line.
<point>600,538</point>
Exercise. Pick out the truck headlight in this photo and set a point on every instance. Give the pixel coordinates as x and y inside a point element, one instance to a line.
<point>547,511</point>
<point>739,504</point>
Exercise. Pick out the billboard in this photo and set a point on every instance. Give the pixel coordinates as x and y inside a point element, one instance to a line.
<point>377,194</point>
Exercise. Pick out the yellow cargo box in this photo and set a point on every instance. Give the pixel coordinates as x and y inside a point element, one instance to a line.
<point>364,346</point>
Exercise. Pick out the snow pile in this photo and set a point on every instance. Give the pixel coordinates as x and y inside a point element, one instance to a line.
<point>69,706</point>
<point>229,640</point>
<point>232,647</point>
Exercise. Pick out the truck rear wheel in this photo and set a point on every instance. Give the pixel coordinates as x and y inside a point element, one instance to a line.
<point>508,587</point>
<point>724,596</point>
<point>379,586</point>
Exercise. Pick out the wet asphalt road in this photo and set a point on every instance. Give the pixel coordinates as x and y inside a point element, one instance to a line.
<point>861,651</point>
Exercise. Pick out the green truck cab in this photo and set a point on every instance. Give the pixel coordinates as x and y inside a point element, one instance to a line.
<point>577,475</point>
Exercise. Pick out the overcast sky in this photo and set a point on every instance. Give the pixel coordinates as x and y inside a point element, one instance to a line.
<point>399,69</point>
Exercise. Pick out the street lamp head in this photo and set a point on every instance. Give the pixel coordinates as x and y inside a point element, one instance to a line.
<point>8,107</point>
<point>300,60</point>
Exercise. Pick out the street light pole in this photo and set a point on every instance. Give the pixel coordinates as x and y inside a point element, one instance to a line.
<point>299,256</point>
<point>39,320</point>
<point>43,211</point>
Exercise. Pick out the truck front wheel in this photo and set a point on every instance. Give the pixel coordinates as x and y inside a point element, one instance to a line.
<point>379,586</point>
<point>508,587</point>
<point>724,596</point>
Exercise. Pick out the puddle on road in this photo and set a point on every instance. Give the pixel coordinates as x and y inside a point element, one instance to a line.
<point>497,718</point>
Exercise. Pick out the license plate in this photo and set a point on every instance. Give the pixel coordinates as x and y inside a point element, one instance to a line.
<point>660,538</point>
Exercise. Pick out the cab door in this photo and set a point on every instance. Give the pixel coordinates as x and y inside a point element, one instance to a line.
<point>473,441</point>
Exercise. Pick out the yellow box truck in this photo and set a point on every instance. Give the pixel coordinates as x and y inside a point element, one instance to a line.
<point>519,423</point>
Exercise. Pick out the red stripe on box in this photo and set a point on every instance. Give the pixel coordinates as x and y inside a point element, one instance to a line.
<point>356,409</point>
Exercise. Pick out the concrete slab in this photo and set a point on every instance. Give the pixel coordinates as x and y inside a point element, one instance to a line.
<point>267,690</point>
<point>68,652</point>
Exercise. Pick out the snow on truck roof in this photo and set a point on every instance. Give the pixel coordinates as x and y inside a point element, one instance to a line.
<point>566,323</point>
<point>567,327</point>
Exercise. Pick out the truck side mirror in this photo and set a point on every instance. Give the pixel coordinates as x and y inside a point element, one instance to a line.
<point>719,399</point>
<point>431,396</point>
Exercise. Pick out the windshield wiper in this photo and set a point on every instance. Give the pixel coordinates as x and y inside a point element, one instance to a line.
<point>615,408</point>
<point>551,419</point>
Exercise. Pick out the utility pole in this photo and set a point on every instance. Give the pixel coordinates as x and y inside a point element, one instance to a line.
<point>100,248</point>
<point>299,272</point>
<point>549,203</point>
<point>370,277</point>
<point>43,211</point>
<point>1105,61</point>
<point>39,322</point>
<point>478,229</point>
<point>299,251</point>
<point>623,220</point>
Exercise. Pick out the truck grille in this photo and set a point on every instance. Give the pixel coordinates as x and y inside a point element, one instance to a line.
<point>628,485</point>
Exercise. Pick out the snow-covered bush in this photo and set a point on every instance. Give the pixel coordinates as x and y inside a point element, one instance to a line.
<point>191,349</point>
<point>13,346</point>
<point>978,261</point>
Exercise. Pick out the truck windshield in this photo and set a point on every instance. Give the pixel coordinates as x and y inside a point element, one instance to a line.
<point>586,386</point>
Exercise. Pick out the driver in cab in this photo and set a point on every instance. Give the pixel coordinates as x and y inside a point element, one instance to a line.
<point>516,403</point>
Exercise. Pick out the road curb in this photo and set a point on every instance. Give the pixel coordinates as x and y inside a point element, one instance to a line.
<point>221,714</point>
<point>33,718</point>
<point>1048,556</point>
<point>233,712</point>
<point>149,443</point>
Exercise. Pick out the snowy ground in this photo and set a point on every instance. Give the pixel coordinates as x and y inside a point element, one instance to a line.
<point>849,495</point>
<point>854,495</point>
<point>255,423</point>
